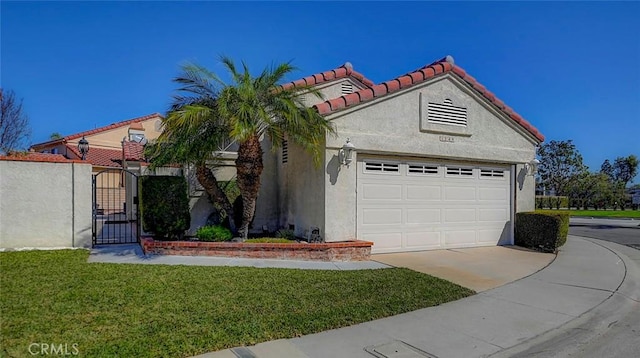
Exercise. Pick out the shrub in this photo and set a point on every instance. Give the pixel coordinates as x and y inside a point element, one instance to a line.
<point>164,206</point>
<point>270,240</point>
<point>285,234</point>
<point>552,202</point>
<point>542,230</point>
<point>214,233</point>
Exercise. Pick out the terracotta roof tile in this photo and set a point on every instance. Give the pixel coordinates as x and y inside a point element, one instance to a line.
<point>136,125</point>
<point>133,151</point>
<point>100,157</point>
<point>343,71</point>
<point>366,94</point>
<point>444,65</point>
<point>38,157</point>
<point>98,130</point>
<point>405,81</point>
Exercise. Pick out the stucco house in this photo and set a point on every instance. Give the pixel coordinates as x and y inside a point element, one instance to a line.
<point>110,145</point>
<point>428,160</point>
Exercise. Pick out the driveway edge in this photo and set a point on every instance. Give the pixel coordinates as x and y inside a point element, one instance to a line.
<point>569,338</point>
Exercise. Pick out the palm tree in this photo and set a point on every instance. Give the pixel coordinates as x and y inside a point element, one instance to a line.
<point>191,136</point>
<point>207,111</point>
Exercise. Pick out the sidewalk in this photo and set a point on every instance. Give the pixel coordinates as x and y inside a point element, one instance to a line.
<point>503,321</point>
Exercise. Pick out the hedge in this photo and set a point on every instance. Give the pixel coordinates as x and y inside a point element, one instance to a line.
<point>164,205</point>
<point>552,202</point>
<point>542,230</point>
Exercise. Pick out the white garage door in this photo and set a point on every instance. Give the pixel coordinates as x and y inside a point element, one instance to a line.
<point>411,205</point>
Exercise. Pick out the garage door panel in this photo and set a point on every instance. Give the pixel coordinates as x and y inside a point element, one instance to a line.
<point>424,192</point>
<point>384,241</point>
<point>423,240</point>
<point>489,236</point>
<point>382,192</point>
<point>382,216</point>
<point>493,194</point>
<point>493,215</point>
<point>423,216</point>
<point>459,238</point>
<point>460,193</point>
<point>459,215</point>
<point>432,208</point>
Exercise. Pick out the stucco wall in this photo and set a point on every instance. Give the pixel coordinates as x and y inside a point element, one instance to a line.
<point>45,204</point>
<point>304,203</point>
<point>340,198</point>
<point>525,190</point>
<point>396,125</point>
<point>268,202</point>
<point>392,124</point>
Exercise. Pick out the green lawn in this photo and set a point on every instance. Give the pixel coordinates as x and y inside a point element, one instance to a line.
<point>607,213</point>
<point>56,297</point>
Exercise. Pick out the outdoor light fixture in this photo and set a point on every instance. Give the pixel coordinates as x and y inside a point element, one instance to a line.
<point>345,155</point>
<point>532,167</point>
<point>83,147</point>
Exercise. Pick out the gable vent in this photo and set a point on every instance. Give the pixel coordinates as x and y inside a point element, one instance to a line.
<point>456,171</point>
<point>377,167</point>
<point>491,173</point>
<point>447,113</point>
<point>346,88</point>
<point>285,152</point>
<point>423,169</point>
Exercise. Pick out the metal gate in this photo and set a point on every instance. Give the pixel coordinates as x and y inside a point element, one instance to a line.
<point>115,207</point>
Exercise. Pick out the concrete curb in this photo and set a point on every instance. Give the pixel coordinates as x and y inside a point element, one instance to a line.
<point>582,296</point>
<point>572,337</point>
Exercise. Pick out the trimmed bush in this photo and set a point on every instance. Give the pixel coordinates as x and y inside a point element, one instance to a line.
<point>164,206</point>
<point>552,202</point>
<point>542,230</point>
<point>214,233</point>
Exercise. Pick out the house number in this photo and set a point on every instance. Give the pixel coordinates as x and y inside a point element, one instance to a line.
<point>445,138</point>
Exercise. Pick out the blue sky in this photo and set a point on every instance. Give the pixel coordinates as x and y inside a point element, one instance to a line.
<point>571,69</point>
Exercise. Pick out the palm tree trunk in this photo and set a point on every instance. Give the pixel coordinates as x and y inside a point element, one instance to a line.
<point>210,185</point>
<point>249,168</point>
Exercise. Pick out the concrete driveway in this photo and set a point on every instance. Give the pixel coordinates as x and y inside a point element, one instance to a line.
<point>478,268</point>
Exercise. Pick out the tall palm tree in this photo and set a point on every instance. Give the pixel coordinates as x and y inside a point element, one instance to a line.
<point>192,135</point>
<point>249,108</point>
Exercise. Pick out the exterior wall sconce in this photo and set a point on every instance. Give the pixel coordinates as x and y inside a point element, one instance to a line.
<point>532,167</point>
<point>83,147</point>
<point>345,155</point>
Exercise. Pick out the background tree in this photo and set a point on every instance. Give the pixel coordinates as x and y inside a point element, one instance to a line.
<point>55,135</point>
<point>625,169</point>
<point>560,162</point>
<point>607,169</point>
<point>14,123</point>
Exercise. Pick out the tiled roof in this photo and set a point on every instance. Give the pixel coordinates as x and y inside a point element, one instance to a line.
<point>442,66</point>
<point>100,157</point>
<point>37,157</point>
<point>343,71</point>
<point>133,151</point>
<point>98,130</point>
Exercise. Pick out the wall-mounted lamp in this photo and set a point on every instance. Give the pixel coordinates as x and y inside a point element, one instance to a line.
<point>532,167</point>
<point>83,147</point>
<point>345,155</point>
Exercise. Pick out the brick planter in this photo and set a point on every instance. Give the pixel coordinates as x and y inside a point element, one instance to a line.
<point>329,251</point>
